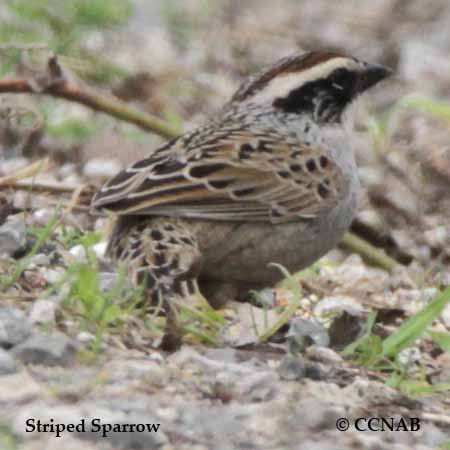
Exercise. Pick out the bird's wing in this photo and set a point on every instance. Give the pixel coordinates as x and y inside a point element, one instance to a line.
<point>232,176</point>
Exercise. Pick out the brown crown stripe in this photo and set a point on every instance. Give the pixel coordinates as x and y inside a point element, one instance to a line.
<point>294,64</point>
<point>307,61</point>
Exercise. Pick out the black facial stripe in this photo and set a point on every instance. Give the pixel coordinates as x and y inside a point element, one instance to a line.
<point>325,97</point>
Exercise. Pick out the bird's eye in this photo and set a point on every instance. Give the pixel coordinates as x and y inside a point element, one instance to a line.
<point>342,80</point>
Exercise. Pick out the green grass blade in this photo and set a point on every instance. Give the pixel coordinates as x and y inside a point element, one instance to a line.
<point>24,262</point>
<point>416,325</point>
<point>360,342</point>
<point>435,107</point>
<point>442,339</point>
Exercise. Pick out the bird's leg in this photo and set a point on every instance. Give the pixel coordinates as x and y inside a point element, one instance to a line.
<point>164,253</point>
<point>172,337</point>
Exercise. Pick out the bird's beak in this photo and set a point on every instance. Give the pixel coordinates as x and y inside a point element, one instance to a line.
<point>371,75</point>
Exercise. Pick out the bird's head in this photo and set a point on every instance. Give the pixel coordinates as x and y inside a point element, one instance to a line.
<point>318,83</point>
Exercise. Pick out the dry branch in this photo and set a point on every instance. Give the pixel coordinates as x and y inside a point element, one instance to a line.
<point>368,252</point>
<point>26,172</point>
<point>55,84</point>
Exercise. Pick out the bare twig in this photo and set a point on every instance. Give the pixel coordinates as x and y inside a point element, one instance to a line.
<point>368,252</point>
<point>41,187</point>
<point>55,84</point>
<point>77,195</point>
<point>23,47</point>
<point>26,172</point>
<point>436,418</point>
<point>19,180</point>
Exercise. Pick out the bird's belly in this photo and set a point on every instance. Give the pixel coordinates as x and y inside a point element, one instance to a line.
<point>243,252</point>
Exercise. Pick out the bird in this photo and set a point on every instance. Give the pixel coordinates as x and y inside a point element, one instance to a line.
<point>270,178</point>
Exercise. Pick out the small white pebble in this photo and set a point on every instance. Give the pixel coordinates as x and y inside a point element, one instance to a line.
<point>85,337</point>
<point>52,276</point>
<point>101,168</point>
<point>437,237</point>
<point>445,317</point>
<point>409,355</point>
<point>100,249</point>
<point>69,323</point>
<point>272,363</point>
<point>73,179</point>
<point>429,293</point>
<point>78,252</point>
<point>101,224</point>
<point>67,169</point>
<point>42,216</point>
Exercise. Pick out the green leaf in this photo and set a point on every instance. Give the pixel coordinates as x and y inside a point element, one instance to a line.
<point>86,288</point>
<point>96,13</point>
<point>442,339</point>
<point>72,128</point>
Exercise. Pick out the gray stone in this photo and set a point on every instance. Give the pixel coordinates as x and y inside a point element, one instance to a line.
<point>136,440</point>
<point>42,311</point>
<point>325,443</point>
<point>292,368</point>
<point>41,259</point>
<point>7,363</point>
<point>53,349</point>
<point>433,436</point>
<point>222,354</point>
<point>188,357</point>
<point>12,236</point>
<point>14,327</point>
<point>324,355</point>
<point>52,276</point>
<point>338,304</point>
<point>19,389</point>
<point>317,371</point>
<point>225,424</point>
<point>107,281</point>
<point>258,387</point>
<point>314,414</point>
<point>305,332</point>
